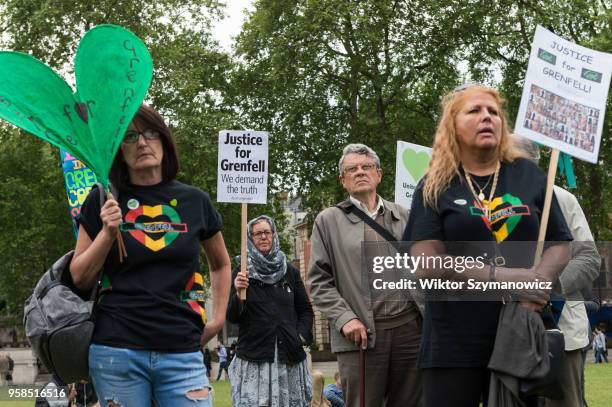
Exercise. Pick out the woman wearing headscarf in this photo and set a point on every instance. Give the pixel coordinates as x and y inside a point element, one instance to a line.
<point>275,322</point>
<point>478,192</point>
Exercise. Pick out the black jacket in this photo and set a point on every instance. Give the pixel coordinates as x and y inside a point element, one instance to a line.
<point>281,311</point>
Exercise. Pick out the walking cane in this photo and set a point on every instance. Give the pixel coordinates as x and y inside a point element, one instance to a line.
<point>361,377</point>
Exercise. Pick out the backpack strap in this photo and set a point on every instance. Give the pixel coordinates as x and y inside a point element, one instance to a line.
<point>102,193</point>
<point>66,259</point>
<point>93,295</point>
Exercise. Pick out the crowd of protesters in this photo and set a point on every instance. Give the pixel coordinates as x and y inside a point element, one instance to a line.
<point>483,186</point>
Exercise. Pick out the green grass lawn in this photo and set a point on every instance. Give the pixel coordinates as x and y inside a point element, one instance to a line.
<point>598,382</point>
<point>222,394</point>
<point>598,389</point>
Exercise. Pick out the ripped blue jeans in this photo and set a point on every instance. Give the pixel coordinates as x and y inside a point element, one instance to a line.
<point>139,378</point>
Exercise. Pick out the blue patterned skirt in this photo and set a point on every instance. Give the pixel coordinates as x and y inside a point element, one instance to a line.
<point>256,384</point>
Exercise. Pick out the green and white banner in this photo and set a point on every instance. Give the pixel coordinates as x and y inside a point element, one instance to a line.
<point>410,166</point>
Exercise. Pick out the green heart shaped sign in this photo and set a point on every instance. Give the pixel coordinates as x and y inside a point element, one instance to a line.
<point>113,70</point>
<point>415,162</point>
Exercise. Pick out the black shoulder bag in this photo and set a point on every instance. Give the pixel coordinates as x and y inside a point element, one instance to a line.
<point>384,233</point>
<point>58,320</point>
<point>548,386</point>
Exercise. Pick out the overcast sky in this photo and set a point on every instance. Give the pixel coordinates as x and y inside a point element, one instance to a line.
<point>225,31</point>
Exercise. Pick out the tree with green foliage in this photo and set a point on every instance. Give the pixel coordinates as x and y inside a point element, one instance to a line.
<point>189,86</point>
<point>36,228</point>
<point>506,43</point>
<point>323,73</point>
<point>317,74</point>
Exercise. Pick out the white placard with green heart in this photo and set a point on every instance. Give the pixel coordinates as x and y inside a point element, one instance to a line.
<point>411,163</point>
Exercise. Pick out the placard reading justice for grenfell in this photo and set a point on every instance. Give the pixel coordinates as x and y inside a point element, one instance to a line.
<point>242,175</point>
<point>564,96</point>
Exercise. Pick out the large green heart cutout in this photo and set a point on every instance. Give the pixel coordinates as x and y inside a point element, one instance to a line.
<point>415,162</point>
<point>113,71</point>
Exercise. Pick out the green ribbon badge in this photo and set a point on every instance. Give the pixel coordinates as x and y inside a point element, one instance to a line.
<point>113,71</point>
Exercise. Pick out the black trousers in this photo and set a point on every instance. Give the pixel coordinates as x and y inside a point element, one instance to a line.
<point>455,387</point>
<point>459,387</point>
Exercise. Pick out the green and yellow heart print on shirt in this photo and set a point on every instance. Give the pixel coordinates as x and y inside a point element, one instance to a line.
<point>506,213</point>
<point>155,227</point>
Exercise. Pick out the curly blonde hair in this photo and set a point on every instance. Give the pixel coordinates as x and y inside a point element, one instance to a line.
<point>445,159</point>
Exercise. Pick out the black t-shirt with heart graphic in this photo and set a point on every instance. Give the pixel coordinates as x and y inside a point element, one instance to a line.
<point>154,300</point>
<point>462,334</point>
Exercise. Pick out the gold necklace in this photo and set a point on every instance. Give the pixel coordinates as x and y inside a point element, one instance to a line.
<point>480,197</point>
<point>480,189</point>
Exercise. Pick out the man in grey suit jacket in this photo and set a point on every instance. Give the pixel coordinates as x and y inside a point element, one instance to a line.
<point>388,327</point>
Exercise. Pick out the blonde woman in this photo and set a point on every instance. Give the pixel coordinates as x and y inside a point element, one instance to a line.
<point>477,188</point>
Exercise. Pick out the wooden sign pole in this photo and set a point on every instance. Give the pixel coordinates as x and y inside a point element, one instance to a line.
<point>243,248</point>
<point>550,182</point>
